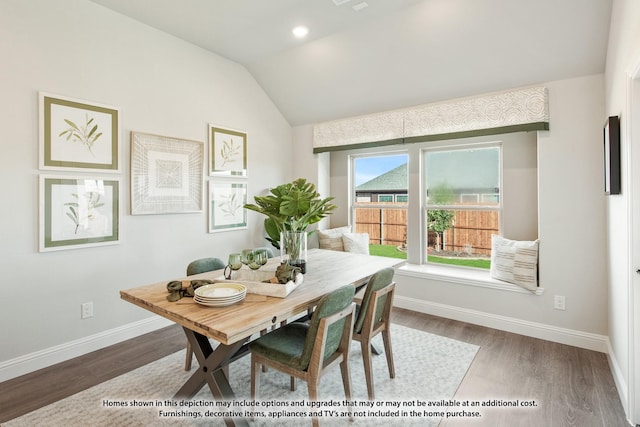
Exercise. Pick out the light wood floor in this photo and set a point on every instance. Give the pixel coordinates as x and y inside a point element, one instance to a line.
<point>571,386</point>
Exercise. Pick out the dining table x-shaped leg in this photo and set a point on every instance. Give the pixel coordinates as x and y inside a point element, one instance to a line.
<point>210,372</point>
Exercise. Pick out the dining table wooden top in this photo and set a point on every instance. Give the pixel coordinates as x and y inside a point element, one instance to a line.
<point>326,271</point>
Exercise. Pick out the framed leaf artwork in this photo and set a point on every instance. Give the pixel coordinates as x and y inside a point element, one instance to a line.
<point>78,135</point>
<point>78,211</point>
<point>227,152</point>
<point>226,205</point>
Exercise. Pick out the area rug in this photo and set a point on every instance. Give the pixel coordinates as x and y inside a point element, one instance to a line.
<point>429,369</point>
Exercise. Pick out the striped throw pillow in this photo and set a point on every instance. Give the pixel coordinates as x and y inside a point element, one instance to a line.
<point>332,238</point>
<point>515,261</point>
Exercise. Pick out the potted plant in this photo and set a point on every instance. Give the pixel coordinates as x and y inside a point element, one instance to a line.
<point>290,209</point>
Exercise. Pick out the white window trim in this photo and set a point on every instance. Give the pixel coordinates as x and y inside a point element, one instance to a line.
<point>461,276</point>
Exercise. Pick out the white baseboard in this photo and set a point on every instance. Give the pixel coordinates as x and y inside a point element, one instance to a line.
<point>50,356</point>
<point>618,378</point>
<point>532,329</point>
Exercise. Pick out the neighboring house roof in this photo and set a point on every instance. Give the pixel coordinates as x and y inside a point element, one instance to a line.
<point>394,180</point>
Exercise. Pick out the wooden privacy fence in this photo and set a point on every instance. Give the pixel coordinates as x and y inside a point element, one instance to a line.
<point>471,231</point>
<point>386,226</point>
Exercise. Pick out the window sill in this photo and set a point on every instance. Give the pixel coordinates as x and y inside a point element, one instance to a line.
<point>461,276</point>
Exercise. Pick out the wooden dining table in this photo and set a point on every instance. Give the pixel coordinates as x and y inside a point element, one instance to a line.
<point>233,326</point>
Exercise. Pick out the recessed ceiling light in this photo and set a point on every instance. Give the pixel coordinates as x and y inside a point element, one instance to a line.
<point>339,2</point>
<point>360,6</point>
<point>300,31</point>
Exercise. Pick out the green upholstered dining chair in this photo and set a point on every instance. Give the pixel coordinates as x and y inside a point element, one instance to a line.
<point>203,265</point>
<point>198,266</point>
<point>306,351</point>
<point>373,318</point>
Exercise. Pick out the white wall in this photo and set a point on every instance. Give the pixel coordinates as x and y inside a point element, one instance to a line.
<point>163,86</point>
<point>312,167</point>
<point>623,52</point>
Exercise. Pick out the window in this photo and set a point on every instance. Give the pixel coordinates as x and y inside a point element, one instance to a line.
<point>495,192</point>
<point>461,204</point>
<point>379,202</point>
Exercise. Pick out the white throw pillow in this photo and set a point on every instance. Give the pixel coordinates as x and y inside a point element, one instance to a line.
<point>515,261</point>
<point>358,243</point>
<point>332,238</point>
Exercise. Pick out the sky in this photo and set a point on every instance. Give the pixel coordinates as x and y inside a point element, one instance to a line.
<point>368,168</point>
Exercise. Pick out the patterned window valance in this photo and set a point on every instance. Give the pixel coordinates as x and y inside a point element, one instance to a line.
<point>511,111</point>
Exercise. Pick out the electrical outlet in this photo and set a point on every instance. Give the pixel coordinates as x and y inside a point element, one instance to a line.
<point>86,310</point>
<point>558,302</point>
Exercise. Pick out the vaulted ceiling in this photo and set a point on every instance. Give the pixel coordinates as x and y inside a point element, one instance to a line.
<point>376,55</point>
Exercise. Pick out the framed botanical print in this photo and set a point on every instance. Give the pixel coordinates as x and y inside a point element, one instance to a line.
<point>78,212</point>
<point>227,152</point>
<point>78,135</point>
<point>226,205</point>
<point>166,174</point>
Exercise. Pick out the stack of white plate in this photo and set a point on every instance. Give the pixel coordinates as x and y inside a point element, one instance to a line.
<point>220,294</point>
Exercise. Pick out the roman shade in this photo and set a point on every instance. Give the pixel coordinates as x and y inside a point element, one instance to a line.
<point>510,111</point>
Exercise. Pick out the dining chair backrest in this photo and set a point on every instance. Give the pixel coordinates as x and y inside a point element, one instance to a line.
<point>330,304</point>
<point>378,281</point>
<point>203,265</point>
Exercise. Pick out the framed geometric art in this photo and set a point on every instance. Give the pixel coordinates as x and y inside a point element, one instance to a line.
<point>612,156</point>
<point>227,152</point>
<point>226,201</point>
<point>166,174</point>
<point>77,135</point>
<point>78,212</point>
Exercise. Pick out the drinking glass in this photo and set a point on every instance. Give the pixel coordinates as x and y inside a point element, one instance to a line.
<point>262,256</point>
<point>235,261</point>
<point>254,262</point>
<point>247,256</point>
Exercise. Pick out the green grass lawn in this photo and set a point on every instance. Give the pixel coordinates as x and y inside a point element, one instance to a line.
<point>393,252</point>
<point>387,250</point>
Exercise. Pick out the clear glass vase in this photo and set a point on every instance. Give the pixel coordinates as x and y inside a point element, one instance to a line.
<point>293,249</point>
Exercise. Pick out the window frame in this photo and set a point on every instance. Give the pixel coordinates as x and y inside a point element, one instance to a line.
<point>354,204</point>
<point>425,207</point>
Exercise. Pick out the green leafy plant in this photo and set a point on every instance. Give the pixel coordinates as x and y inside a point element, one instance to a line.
<point>86,134</point>
<point>291,207</point>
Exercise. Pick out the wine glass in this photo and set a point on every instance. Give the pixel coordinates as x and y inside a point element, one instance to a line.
<point>254,262</point>
<point>235,261</point>
<point>259,259</point>
<point>262,256</point>
<point>247,256</point>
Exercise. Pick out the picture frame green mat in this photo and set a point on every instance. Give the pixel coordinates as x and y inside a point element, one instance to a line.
<point>227,152</point>
<point>226,205</point>
<point>78,211</point>
<point>77,135</point>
